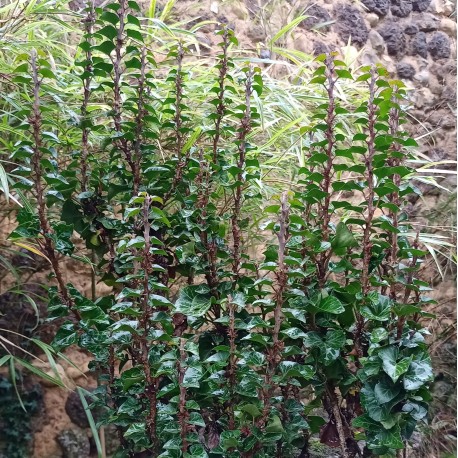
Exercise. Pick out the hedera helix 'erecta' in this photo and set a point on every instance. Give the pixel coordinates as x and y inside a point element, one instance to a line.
<point>202,351</point>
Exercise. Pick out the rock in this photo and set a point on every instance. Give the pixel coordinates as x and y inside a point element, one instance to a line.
<point>427,22</point>
<point>75,410</point>
<point>449,94</point>
<point>303,43</point>
<point>439,46</point>
<point>377,42</point>
<point>372,19</point>
<point>112,442</point>
<point>380,7</point>
<point>424,98</point>
<point>401,8</point>
<point>73,373</point>
<point>61,374</point>
<point>405,70</point>
<point>316,15</point>
<point>420,5</point>
<point>442,69</point>
<point>434,85</point>
<point>418,45</point>
<point>214,7</point>
<point>442,390</point>
<point>369,58</point>
<point>240,11</point>
<point>320,48</point>
<point>394,37</point>
<point>256,34</point>
<point>264,54</point>
<point>448,26</point>
<point>205,43</point>
<point>222,19</point>
<point>447,7</point>
<point>74,443</point>
<point>411,29</point>
<point>437,154</point>
<point>448,122</point>
<point>422,77</point>
<point>202,17</point>
<point>350,24</point>
<point>389,64</point>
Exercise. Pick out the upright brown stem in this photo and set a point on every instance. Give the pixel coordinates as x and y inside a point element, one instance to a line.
<point>274,355</point>
<point>232,334</point>
<point>369,196</point>
<point>324,257</point>
<point>117,65</point>
<point>221,107</point>
<point>118,71</point>
<point>211,273</point>
<point>35,121</point>
<point>139,124</point>
<point>151,382</point>
<point>368,161</point>
<point>244,130</point>
<point>183,414</point>
<point>89,26</point>
<point>338,418</point>
<point>178,103</point>
<point>178,121</point>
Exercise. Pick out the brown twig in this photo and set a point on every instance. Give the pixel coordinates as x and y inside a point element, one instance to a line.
<point>35,121</point>
<point>183,414</point>
<point>88,69</point>
<point>244,130</point>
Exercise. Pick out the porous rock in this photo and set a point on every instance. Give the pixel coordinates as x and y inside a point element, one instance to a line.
<point>405,70</point>
<point>424,99</point>
<point>320,48</point>
<point>418,45</point>
<point>75,410</point>
<point>74,443</point>
<point>411,29</point>
<point>316,15</point>
<point>380,7</point>
<point>439,46</point>
<point>256,34</point>
<point>420,5</point>
<point>394,38</point>
<point>350,24</point>
<point>427,22</point>
<point>401,8</point>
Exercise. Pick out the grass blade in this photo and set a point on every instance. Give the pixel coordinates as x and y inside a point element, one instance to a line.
<point>90,418</point>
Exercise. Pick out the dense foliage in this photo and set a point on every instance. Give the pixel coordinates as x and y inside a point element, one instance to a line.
<point>17,431</point>
<point>207,346</point>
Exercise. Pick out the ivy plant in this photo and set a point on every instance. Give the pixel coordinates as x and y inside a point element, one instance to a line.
<point>201,348</point>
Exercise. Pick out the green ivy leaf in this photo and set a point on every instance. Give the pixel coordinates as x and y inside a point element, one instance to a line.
<point>330,304</point>
<point>419,373</point>
<point>191,303</point>
<point>343,239</point>
<point>391,365</point>
<point>192,377</point>
<point>385,391</point>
